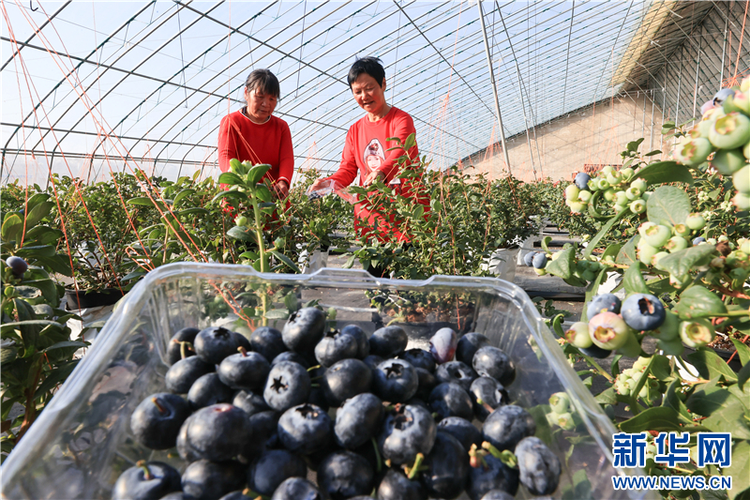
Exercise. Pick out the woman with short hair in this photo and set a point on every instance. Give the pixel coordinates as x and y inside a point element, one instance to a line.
<point>366,151</point>
<point>254,134</point>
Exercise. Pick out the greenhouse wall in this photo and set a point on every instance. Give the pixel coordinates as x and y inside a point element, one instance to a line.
<point>585,139</point>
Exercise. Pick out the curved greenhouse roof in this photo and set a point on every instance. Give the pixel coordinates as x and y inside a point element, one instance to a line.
<point>91,86</point>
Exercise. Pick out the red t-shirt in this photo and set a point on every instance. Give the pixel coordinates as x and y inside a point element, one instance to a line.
<point>366,150</point>
<point>270,143</point>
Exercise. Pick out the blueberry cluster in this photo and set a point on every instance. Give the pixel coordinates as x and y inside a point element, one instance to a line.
<point>371,418</point>
<point>621,188</point>
<point>585,269</point>
<point>628,380</point>
<point>724,131</point>
<point>612,326</point>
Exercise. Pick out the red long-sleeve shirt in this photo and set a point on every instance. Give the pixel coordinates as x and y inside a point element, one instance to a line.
<point>270,143</point>
<point>366,149</point>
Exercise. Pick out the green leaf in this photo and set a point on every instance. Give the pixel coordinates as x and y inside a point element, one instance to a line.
<point>57,376</point>
<point>668,206</point>
<point>698,301</point>
<point>671,400</point>
<point>725,411</point>
<point>57,264</point>
<point>48,288</point>
<point>257,172</point>
<point>665,171</point>
<point>231,179</point>
<point>182,194</point>
<point>545,242</point>
<point>192,211</point>
<point>626,255</point>
<point>36,251</point>
<point>710,365</point>
<point>243,234</point>
<point>682,262</point>
<point>633,280</point>
<point>12,226</point>
<point>607,397</point>
<point>229,194</point>
<point>8,355</point>
<point>43,235</point>
<point>134,274</point>
<point>277,314</point>
<point>743,351</point>
<point>31,322</point>
<point>564,265</point>
<point>633,145</point>
<point>37,213</point>
<point>286,260</point>
<point>290,301</point>
<point>659,418</point>
<point>604,231</point>
<point>738,470</point>
<point>743,375</point>
<point>143,201</point>
<point>263,193</point>
<point>660,367</point>
<point>67,343</point>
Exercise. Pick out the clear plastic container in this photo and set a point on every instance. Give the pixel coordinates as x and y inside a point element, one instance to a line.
<point>81,442</point>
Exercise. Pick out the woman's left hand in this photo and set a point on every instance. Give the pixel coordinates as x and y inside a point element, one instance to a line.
<point>282,189</point>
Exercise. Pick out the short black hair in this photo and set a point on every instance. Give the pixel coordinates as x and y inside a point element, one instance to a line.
<point>370,65</point>
<point>265,81</point>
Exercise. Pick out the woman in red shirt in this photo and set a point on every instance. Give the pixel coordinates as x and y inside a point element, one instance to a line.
<point>366,149</point>
<point>254,134</point>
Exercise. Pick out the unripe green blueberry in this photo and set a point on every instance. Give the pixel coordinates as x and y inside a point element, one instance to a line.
<point>540,272</point>
<point>565,421</point>
<point>621,198</point>
<point>669,330</point>
<point>593,185</point>
<point>641,363</point>
<point>638,206</point>
<point>693,151</point>
<point>646,253</point>
<point>676,243</point>
<point>646,195</point>
<point>656,260</point>
<point>577,207</point>
<point>578,335</point>
<point>741,201</point>
<point>639,184</point>
<point>741,179</point>
<point>584,196</point>
<point>728,161</point>
<point>708,120</point>
<point>608,330</point>
<point>744,245</point>
<point>602,184</point>
<point>739,277</point>
<point>697,333</point>
<point>644,392</point>
<point>655,235</point>
<point>588,275</point>
<point>607,169</point>
<point>610,194</point>
<point>737,258</point>
<point>633,193</point>
<point>560,402</point>
<point>745,84</point>
<point>746,150</point>
<point>571,192</point>
<point>696,222</point>
<point>681,229</point>
<point>672,347</point>
<point>240,220</point>
<point>614,178</point>
<point>730,131</point>
<point>627,174</point>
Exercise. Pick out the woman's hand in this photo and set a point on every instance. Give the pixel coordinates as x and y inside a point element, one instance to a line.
<point>317,184</point>
<point>374,176</point>
<point>282,188</point>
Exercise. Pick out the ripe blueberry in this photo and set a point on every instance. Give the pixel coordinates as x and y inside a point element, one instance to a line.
<point>395,380</point>
<point>296,488</point>
<point>468,345</point>
<point>304,330</point>
<point>344,380</point>
<point>603,302</point>
<point>146,481</point>
<point>643,311</point>
<point>157,420</point>
<point>492,362</point>
<point>181,342</point>
<point>449,399</point>
<point>205,480</point>
<point>407,430</point>
<point>507,425</point>
<point>389,341</point>
<point>443,345</point>
<point>457,372</point>
<point>288,385</point>
<point>358,420</point>
<point>539,468</point>
<point>345,474</point>
<point>215,343</point>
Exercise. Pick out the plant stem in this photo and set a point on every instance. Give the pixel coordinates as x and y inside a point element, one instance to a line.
<point>598,368</point>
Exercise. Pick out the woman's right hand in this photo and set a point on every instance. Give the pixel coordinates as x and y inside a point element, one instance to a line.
<point>317,184</point>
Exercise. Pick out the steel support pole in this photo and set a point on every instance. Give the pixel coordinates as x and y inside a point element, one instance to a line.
<point>494,85</point>
<point>723,52</point>
<point>697,70</point>
<point>679,89</point>
<point>651,139</point>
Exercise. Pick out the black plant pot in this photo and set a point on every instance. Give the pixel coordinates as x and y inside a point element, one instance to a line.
<point>81,299</point>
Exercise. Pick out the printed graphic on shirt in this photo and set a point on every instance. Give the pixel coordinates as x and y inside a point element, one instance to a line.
<point>374,155</point>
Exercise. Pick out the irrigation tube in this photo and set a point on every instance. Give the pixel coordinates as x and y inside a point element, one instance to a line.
<point>494,86</point>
